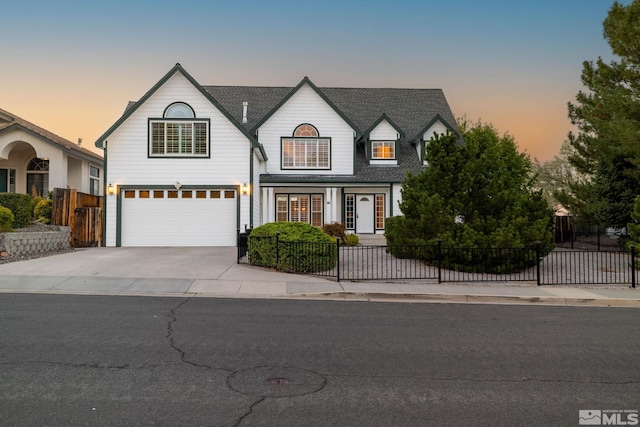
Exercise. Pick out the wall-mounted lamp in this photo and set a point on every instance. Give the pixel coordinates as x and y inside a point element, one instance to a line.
<point>111,190</point>
<point>245,189</point>
<point>177,185</point>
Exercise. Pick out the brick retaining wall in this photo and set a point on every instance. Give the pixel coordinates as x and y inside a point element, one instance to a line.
<point>35,241</point>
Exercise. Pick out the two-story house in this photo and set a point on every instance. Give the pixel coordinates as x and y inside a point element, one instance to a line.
<point>191,165</point>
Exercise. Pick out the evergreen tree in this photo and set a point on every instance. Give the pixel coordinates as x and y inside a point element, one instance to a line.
<point>607,115</point>
<point>474,195</point>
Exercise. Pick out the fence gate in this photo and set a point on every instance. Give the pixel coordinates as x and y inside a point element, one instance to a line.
<point>81,212</point>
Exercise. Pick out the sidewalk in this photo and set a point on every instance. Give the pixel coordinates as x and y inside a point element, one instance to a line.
<point>212,272</point>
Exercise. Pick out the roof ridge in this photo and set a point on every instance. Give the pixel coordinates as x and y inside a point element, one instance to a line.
<point>54,137</point>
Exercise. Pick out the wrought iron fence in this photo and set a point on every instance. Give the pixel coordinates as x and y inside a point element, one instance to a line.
<point>573,267</point>
<point>441,264</point>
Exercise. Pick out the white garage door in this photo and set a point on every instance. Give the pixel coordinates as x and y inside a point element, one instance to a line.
<point>179,218</point>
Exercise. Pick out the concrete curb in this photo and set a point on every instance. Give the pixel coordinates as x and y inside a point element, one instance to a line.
<point>477,299</point>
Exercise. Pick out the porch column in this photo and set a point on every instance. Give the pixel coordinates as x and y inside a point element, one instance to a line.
<point>334,204</point>
<point>265,206</point>
<point>328,207</point>
<point>271,215</point>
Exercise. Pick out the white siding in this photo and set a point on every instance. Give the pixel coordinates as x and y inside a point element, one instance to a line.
<point>127,151</point>
<point>397,197</point>
<point>436,128</point>
<point>306,106</point>
<point>383,132</point>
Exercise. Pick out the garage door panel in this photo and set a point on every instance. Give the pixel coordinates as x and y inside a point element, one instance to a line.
<point>209,221</point>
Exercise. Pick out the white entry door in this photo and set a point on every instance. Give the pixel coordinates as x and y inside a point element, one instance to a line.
<point>364,214</point>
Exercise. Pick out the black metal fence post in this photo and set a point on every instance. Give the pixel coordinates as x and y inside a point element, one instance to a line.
<point>439,261</point>
<point>338,260</point>
<point>633,266</point>
<point>538,262</point>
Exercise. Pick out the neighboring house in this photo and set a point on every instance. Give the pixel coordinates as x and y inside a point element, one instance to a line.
<point>35,161</point>
<point>191,165</point>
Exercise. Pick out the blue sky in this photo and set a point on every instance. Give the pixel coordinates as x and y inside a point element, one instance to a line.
<point>71,66</point>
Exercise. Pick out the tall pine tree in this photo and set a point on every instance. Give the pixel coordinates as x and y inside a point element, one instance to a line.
<point>607,115</point>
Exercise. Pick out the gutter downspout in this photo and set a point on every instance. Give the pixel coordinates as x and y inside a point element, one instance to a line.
<point>104,197</point>
<point>251,184</point>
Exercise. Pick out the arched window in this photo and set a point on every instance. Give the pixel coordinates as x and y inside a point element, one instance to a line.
<point>179,110</point>
<point>179,133</point>
<point>306,130</point>
<point>306,150</point>
<point>38,177</point>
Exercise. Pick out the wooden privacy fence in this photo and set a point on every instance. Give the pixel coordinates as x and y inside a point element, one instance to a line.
<point>81,212</point>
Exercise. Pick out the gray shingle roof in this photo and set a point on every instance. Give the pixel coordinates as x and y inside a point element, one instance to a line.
<point>409,109</point>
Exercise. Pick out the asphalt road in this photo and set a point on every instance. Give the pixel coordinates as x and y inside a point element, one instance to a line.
<point>99,360</point>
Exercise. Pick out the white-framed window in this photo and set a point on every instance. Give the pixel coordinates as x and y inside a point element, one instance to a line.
<point>383,150</point>
<point>349,211</point>
<point>306,150</point>
<point>38,177</point>
<point>380,211</point>
<point>179,133</point>
<point>300,208</point>
<point>94,180</point>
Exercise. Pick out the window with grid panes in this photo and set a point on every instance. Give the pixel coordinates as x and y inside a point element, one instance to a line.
<point>179,133</point>
<point>379,211</point>
<point>306,150</point>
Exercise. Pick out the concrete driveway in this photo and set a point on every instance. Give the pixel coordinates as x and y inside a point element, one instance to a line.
<point>170,271</point>
<point>165,262</point>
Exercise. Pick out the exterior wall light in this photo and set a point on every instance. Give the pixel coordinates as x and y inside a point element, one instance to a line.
<point>111,190</point>
<point>245,189</point>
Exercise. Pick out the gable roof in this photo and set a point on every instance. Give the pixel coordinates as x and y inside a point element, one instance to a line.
<point>9,122</point>
<point>382,118</point>
<point>133,106</point>
<point>408,110</point>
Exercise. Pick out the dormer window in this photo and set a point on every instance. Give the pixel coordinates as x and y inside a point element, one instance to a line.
<point>382,140</point>
<point>179,133</point>
<point>306,150</point>
<point>383,150</point>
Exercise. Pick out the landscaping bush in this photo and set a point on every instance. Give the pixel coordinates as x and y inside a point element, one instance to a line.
<point>352,239</point>
<point>6,219</point>
<point>297,248</point>
<point>33,203</point>
<point>336,230</point>
<point>20,206</point>
<point>42,211</point>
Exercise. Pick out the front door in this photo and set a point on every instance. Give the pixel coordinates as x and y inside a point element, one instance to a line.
<point>364,214</point>
<point>3,180</point>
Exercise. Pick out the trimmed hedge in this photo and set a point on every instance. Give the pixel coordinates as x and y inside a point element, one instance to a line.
<point>20,206</point>
<point>298,248</point>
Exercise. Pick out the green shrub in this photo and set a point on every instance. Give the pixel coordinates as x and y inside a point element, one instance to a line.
<point>336,230</point>
<point>297,248</point>
<point>33,203</point>
<point>42,211</point>
<point>6,219</point>
<point>352,239</point>
<point>20,206</point>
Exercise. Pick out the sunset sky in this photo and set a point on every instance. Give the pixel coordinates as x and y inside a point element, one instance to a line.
<point>72,66</point>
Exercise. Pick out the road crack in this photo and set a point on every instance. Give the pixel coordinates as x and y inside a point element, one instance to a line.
<point>249,411</point>
<point>173,318</point>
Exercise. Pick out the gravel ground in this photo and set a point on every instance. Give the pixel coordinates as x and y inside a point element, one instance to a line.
<point>35,227</point>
